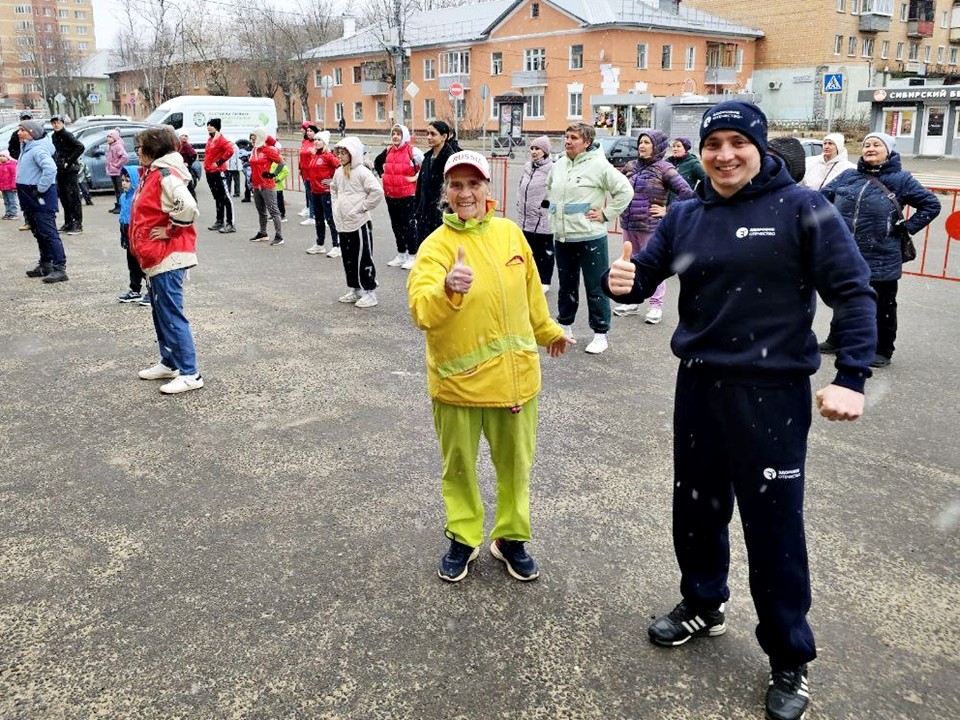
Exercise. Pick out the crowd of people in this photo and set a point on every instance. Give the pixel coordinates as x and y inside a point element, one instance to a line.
<point>753,232</point>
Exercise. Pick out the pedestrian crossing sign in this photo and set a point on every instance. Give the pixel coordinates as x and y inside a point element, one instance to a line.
<point>833,83</point>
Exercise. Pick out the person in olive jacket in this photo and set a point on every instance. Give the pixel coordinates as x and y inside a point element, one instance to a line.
<point>863,198</point>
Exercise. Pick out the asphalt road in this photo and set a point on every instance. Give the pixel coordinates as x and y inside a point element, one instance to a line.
<point>266,547</point>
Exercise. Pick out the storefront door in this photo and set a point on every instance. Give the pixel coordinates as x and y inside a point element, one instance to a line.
<point>934,137</point>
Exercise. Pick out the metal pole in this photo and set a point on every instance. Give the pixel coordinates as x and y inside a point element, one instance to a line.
<point>456,118</point>
<point>829,111</point>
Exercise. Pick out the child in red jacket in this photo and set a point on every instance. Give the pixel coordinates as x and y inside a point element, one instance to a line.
<point>320,172</point>
<point>8,185</point>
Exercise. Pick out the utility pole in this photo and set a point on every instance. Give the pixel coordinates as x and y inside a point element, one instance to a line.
<point>398,60</point>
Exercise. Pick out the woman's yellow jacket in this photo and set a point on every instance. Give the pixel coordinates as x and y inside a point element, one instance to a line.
<point>481,346</point>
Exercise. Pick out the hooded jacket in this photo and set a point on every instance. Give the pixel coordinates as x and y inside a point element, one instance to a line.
<point>116,154</point>
<point>216,153</point>
<point>873,218</point>
<point>575,186</point>
<point>126,198</point>
<point>36,167</point>
<point>261,161</point>
<point>689,168</point>
<point>482,346</point>
<point>356,194</point>
<point>163,200</point>
<point>401,166</point>
<point>321,165</point>
<point>652,179</point>
<point>532,216</point>
<point>8,174</point>
<point>750,269</point>
<point>820,173</point>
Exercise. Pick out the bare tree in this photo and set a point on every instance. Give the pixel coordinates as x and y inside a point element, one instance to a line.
<point>206,46</point>
<point>151,41</point>
<point>54,62</point>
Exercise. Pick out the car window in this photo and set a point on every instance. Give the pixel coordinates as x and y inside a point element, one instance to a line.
<point>100,149</point>
<point>175,120</point>
<point>128,141</point>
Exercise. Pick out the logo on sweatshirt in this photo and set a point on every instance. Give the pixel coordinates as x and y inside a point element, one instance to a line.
<point>743,232</point>
<point>515,260</point>
<point>773,474</point>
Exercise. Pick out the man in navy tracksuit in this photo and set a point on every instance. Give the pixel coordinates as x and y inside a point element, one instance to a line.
<point>752,251</point>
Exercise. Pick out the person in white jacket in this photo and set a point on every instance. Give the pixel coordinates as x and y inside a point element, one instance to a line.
<point>354,192</point>
<point>821,169</point>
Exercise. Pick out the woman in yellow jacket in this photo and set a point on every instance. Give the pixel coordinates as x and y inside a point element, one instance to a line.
<point>474,290</point>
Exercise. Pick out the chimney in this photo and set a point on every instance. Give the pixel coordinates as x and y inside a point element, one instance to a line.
<point>349,26</point>
<point>670,6</point>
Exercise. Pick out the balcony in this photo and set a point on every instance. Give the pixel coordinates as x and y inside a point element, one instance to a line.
<point>871,23</point>
<point>920,28</point>
<point>720,76</point>
<point>529,78</point>
<point>445,81</point>
<point>374,87</point>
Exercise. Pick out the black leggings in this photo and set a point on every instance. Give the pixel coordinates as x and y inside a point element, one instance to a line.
<point>542,246</point>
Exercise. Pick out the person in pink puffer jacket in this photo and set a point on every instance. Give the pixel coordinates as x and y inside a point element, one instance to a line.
<point>115,160</point>
<point>8,185</point>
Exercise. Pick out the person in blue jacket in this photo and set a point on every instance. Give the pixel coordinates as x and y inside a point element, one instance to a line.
<point>862,197</point>
<point>129,179</point>
<point>752,250</point>
<point>37,192</point>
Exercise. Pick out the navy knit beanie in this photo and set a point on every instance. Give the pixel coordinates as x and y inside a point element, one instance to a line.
<point>742,117</point>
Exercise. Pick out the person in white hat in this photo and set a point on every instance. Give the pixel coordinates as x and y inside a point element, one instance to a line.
<point>475,291</point>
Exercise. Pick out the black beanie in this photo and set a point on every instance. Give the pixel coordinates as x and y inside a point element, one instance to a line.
<point>791,151</point>
<point>214,123</point>
<point>742,117</point>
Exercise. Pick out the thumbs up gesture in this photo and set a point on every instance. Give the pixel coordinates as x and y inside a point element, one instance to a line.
<point>460,277</point>
<point>623,272</point>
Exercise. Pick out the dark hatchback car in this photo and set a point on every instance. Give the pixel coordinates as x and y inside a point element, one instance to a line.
<point>619,149</point>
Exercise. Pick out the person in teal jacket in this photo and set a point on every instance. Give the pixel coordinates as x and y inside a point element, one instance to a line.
<point>578,188</point>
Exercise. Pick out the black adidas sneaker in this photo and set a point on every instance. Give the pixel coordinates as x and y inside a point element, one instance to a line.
<point>683,623</point>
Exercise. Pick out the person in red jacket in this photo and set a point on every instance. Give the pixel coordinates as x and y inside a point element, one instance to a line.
<point>320,170</point>
<point>262,159</point>
<point>306,152</point>
<point>400,170</point>
<point>215,157</point>
<point>164,242</point>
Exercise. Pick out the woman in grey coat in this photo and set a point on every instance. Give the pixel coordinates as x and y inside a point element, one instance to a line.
<point>532,215</point>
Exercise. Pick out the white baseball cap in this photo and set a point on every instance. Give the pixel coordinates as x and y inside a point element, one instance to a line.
<point>471,158</point>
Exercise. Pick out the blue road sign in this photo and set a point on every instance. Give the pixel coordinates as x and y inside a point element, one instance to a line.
<point>833,82</point>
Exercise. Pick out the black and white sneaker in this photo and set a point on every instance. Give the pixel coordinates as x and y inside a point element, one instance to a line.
<point>130,296</point>
<point>788,694</point>
<point>683,623</point>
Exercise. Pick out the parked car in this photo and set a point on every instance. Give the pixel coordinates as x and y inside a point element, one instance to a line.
<point>84,130</point>
<point>619,149</point>
<point>96,150</point>
<point>811,147</point>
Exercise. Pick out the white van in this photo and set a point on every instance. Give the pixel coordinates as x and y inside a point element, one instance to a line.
<point>238,116</point>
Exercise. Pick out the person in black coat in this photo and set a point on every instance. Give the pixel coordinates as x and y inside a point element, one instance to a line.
<point>862,197</point>
<point>67,152</point>
<point>443,144</point>
<point>14,145</point>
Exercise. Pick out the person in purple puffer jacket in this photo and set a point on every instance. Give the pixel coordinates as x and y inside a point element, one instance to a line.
<point>653,179</point>
<point>532,215</point>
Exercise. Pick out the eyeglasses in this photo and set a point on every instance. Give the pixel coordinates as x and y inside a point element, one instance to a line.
<point>136,148</point>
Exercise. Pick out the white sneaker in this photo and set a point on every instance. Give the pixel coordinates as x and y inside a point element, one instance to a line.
<point>351,297</point>
<point>597,345</point>
<point>334,252</point>
<point>567,330</point>
<point>158,372</point>
<point>304,212</point>
<point>624,310</point>
<point>316,250</point>
<point>308,221</point>
<point>654,316</point>
<point>368,300</point>
<point>408,263</point>
<point>399,260</point>
<point>546,288</point>
<point>182,383</point>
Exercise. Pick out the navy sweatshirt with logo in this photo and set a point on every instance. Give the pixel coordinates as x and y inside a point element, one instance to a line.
<point>750,267</point>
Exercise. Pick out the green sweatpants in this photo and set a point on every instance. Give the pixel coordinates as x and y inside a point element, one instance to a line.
<point>513,441</point>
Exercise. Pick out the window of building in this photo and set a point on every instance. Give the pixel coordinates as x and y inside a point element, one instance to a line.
<point>866,48</point>
<point>854,7</point>
<point>914,53</point>
<point>22,10</point>
<point>381,110</point>
<point>533,103</point>
<point>885,49</point>
<point>690,57</point>
<point>904,12</point>
<point>83,47</point>
<point>841,6</point>
<point>641,56</point>
<point>666,57</point>
<point>494,109</point>
<point>24,25</point>
<point>576,57</point>
<point>943,19</point>
<point>63,13</point>
<point>535,59</point>
<point>357,74</point>
<point>574,105</point>
<point>456,62</point>
<point>535,10</point>
<point>953,56</point>
<point>877,7</point>
<point>24,40</point>
<point>337,111</point>
<point>940,51</point>
<point>852,46</point>
<point>496,63</point>
<point>82,30</point>
<point>317,77</point>
<point>318,113</point>
<point>338,77</point>
<point>406,74</point>
<point>429,69</point>
<point>430,109</point>
<point>407,111</point>
<point>358,110</point>
<point>27,71</point>
<point>79,14</point>
<point>926,54</point>
<point>899,51</point>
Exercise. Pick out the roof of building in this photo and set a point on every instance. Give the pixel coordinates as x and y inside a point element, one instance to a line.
<point>96,65</point>
<point>474,23</point>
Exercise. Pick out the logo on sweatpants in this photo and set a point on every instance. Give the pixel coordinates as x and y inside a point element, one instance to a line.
<point>772,474</point>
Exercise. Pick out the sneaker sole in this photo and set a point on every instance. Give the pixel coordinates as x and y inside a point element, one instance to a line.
<point>626,314</point>
<point>187,388</point>
<point>495,551</point>
<point>158,377</point>
<point>129,300</point>
<point>466,568</point>
<point>714,631</point>
<point>649,321</point>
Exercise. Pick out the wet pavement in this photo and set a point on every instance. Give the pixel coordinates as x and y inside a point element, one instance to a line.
<point>266,547</point>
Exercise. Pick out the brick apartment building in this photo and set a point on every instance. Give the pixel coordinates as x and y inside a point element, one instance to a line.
<point>32,34</point>
<point>567,60</point>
